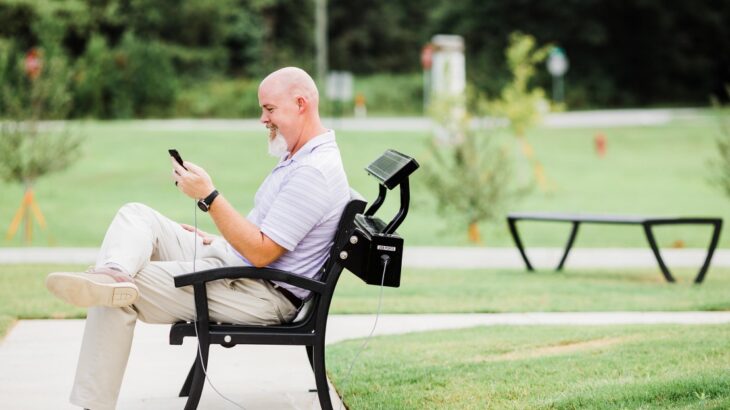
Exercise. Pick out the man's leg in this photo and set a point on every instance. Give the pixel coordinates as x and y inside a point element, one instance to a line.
<point>136,235</point>
<point>245,301</point>
<point>139,234</point>
<point>103,358</point>
<point>108,334</point>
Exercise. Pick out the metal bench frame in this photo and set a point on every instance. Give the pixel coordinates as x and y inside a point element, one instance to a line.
<point>646,222</point>
<point>308,329</point>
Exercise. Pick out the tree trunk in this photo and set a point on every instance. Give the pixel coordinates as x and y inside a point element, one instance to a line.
<point>543,182</point>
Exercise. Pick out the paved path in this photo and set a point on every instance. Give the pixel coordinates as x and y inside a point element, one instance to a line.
<point>451,257</point>
<point>575,119</point>
<point>38,359</point>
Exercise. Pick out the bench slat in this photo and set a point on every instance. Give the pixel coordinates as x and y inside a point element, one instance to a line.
<point>603,218</point>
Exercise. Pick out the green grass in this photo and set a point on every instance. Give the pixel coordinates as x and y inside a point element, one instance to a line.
<point>616,367</point>
<point>503,290</point>
<point>23,295</point>
<point>648,170</point>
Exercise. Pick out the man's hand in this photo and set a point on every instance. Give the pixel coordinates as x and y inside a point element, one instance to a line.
<point>207,238</point>
<point>193,182</point>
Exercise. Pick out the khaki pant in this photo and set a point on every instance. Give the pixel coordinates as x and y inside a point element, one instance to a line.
<point>153,249</point>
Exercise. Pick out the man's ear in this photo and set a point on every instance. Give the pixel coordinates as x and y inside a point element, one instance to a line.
<point>302,103</point>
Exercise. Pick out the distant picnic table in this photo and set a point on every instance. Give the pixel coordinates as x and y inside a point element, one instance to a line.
<point>646,222</point>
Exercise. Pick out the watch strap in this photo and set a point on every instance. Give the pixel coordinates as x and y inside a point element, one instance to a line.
<point>206,202</point>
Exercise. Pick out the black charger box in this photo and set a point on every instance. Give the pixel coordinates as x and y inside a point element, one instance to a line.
<point>369,249</point>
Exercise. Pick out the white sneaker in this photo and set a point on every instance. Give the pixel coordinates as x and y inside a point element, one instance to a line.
<point>97,287</point>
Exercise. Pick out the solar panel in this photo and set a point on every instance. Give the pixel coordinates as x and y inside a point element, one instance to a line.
<point>392,168</point>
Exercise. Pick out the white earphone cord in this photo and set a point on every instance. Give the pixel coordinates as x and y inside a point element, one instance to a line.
<point>367,340</point>
<point>195,326</point>
<point>354,360</point>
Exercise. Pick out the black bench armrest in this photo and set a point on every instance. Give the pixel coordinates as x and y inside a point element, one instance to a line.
<point>238,272</point>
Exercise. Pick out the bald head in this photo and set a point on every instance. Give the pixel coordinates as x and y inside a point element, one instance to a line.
<point>292,82</point>
<point>289,103</point>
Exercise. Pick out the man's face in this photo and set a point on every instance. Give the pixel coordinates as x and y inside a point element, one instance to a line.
<point>279,113</point>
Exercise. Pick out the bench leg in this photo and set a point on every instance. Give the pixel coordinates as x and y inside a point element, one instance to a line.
<point>198,378</point>
<point>655,249</point>
<point>185,390</point>
<point>710,251</point>
<point>310,355</point>
<point>320,376</point>
<point>516,237</point>
<point>569,245</point>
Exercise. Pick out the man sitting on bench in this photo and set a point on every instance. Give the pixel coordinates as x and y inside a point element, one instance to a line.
<point>291,227</point>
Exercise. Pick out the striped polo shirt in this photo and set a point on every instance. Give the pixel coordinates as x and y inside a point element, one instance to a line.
<point>299,206</point>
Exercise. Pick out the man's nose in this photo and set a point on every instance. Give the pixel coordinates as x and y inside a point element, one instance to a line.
<point>264,119</point>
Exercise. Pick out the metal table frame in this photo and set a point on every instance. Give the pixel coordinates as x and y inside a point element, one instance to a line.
<point>646,222</point>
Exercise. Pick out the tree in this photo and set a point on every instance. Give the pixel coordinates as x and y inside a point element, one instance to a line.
<point>521,105</point>
<point>623,53</point>
<point>469,172</point>
<point>35,88</point>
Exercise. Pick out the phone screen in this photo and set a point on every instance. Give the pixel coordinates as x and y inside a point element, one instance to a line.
<point>176,155</point>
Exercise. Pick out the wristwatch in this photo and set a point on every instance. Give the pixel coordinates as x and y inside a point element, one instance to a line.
<point>204,204</point>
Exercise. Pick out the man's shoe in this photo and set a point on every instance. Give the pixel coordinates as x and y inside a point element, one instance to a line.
<point>96,287</point>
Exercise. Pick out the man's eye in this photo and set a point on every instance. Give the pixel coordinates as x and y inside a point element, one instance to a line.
<point>270,109</point>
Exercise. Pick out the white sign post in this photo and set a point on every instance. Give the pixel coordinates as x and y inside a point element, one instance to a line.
<point>448,82</point>
<point>448,69</point>
<point>339,89</point>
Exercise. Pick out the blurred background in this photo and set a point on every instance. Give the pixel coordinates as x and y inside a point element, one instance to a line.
<point>165,58</point>
<point>575,106</point>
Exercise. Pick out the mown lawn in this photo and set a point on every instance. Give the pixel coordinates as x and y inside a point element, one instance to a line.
<point>533,367</point>
<point>653,170</point>
<point>504,290</point>
<point>23,295</point>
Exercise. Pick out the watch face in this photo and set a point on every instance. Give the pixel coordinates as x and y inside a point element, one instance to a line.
<point>203,206</point>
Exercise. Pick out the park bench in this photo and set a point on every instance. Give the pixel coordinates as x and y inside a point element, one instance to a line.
<point>363,244</point>
<point>646,222</point>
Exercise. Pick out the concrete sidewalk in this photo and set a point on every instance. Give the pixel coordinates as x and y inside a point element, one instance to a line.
<point>571,119</point>
<point>38,359</point>
<point>452,257</point>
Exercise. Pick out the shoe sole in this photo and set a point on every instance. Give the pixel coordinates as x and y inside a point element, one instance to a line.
<point>81,291</point>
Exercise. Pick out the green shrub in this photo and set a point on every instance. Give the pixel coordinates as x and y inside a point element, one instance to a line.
<point>222,98</point>
<point>149,75</point>
<point>135,79</point>
<point>92,80</point>
<point>391,94</point>
<point>385,94</point>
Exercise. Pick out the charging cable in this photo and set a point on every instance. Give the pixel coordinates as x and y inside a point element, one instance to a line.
<point>386,260</point>
<point>195,326</point>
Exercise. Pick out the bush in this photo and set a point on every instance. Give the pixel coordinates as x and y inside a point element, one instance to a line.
<point>469,169</point>
<point>92,80</point>
<point>136,79</point>
<point>149,74</point>
<point>223,98</point>
<point>385,94</point>
<point>391,94</point>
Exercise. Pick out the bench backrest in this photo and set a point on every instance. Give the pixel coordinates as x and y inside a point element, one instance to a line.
<point>332,268</point>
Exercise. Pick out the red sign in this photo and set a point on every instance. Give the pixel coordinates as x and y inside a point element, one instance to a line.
<point>600,143</point>
<point>427,56</point>
<point>32,64</point>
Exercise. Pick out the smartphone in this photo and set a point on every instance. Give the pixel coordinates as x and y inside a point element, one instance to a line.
<point>176,155</point>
